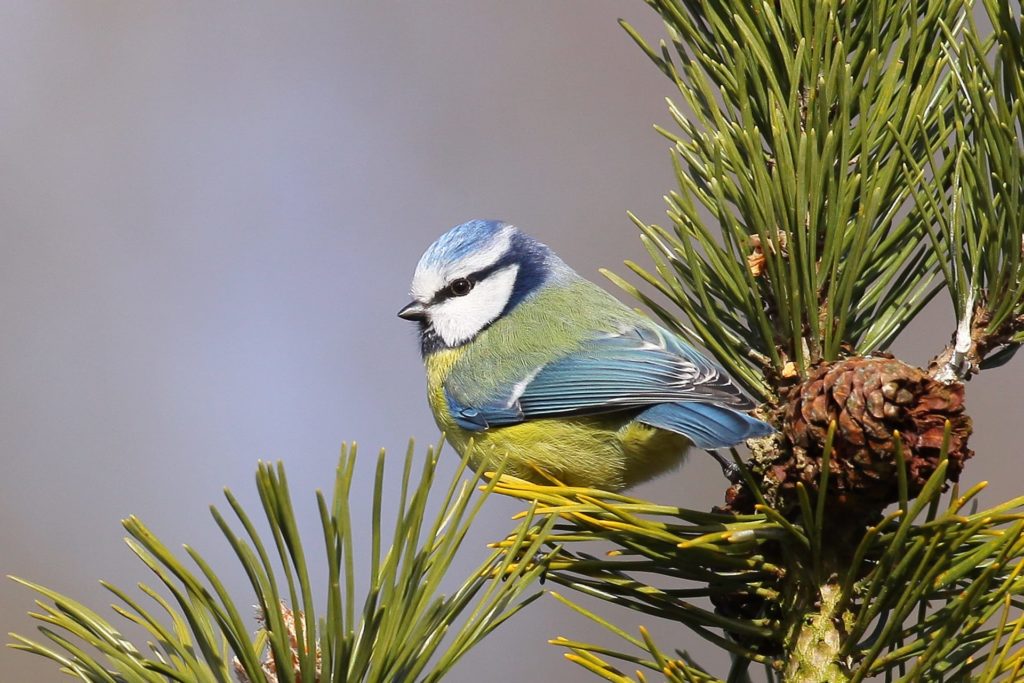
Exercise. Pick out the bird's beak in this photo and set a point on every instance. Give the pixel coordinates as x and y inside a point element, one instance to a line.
<point>413,311</point>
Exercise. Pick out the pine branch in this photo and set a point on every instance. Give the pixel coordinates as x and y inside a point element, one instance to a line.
<point>799,117</point>
<point>911,596</point>
<point>405,631</point>
<point>977,210</point>
<point>857,158</point>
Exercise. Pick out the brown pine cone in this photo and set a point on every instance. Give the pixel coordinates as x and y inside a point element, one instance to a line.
<point>870,399</point>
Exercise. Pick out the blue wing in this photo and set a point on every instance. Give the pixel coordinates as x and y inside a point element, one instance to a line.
<point>642,367</point>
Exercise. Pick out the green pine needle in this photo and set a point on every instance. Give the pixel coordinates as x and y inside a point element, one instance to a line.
<point>928,589</point>
<point>795,236</point>
<point>403,629</point>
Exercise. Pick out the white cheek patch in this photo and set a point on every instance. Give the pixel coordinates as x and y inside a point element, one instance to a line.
<point>460,318</point>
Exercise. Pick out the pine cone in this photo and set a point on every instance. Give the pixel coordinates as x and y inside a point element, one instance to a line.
<point>870,399</point>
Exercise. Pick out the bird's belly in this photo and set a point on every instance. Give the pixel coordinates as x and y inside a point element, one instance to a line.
<point>608,452</point>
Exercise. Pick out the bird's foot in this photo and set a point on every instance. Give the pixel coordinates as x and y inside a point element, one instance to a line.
<point>730,469</point>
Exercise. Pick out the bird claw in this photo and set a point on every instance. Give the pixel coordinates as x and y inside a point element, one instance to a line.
<point>730,469</point>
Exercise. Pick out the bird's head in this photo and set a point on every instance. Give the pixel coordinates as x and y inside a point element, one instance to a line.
<point>473,275</point>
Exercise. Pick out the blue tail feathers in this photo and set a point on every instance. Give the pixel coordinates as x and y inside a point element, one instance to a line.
<point>707,425</point>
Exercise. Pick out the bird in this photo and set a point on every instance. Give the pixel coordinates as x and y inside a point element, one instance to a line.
<point>531,364</point>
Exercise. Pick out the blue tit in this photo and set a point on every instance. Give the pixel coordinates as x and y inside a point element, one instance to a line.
<point>532,364</point>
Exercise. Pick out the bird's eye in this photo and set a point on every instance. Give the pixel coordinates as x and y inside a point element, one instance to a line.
<point>460,287</point>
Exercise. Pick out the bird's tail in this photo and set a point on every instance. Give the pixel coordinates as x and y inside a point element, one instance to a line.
<point>707,425</point>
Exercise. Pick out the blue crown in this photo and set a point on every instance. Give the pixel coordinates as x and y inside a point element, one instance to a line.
<point>461,241</point>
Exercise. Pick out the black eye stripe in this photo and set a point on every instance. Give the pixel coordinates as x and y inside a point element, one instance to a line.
<point>472,278</point>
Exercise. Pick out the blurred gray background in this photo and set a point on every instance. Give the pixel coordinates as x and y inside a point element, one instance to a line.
<point>209,215</point>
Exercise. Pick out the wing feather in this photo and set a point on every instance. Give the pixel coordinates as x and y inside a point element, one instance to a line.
<point>639,367</point>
